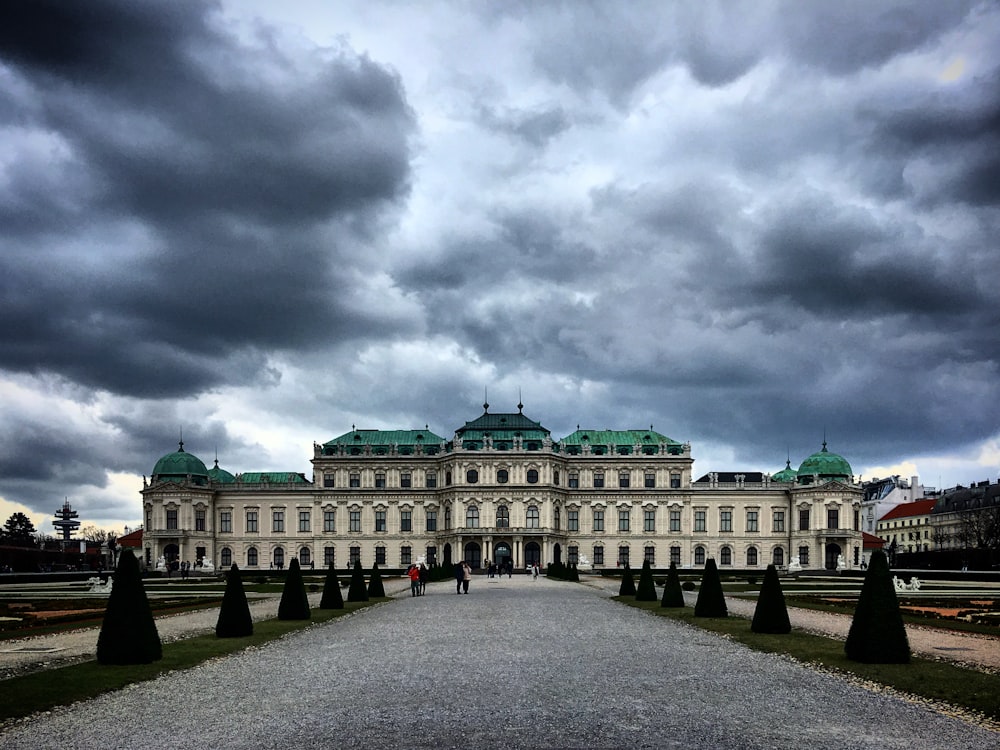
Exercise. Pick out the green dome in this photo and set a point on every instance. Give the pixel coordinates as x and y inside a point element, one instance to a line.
<point>220,475</point>
<point>179,465</point>
<point>826,465</point>
<point>787,474</point>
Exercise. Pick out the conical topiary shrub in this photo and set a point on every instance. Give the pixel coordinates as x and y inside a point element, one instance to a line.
<point>128,633</point>
<point>877,634</point>
<point>646,591</point>
<point>357,592</point>
<point>628,583</point>
<point>376,590</point>
<point>332,597</point>
<point>294,603</point>
<point>673,594</point>
<point>234,614</point>
<point>711,599</point>
<point>771,614</point>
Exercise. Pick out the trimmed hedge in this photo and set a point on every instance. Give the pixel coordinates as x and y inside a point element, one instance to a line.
<point>294,603</point>
<point>877,634</point>
<point>128,633</point>
<point>646,591</point>
<point>771,614</point>
<point>711,599</point>
<point>234,620</point>
<point>332,596</point>
<point>673,595</point>
<point>376,589</point>
<point>627,587</point>
<point>357,592</point>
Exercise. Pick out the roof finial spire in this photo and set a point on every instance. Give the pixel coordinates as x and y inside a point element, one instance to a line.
<point>520,405</point>
<point>486,402</point>
<point>824,438</point>
<point>180,440</point>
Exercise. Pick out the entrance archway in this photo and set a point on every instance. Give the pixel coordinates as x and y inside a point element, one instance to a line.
<point>447,556</point>
<point>833,551</point>
<point>532,554</point>
<point>502,553</point>
<point>473,555</point>
<point>171,552</point>
<point>557,554</point>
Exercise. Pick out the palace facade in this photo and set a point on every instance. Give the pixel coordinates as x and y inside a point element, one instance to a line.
<point>503,489</point>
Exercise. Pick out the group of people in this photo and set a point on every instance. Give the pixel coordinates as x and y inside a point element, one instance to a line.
<point>463,575</point>
<point>418,579</point>
<point>495,569</point>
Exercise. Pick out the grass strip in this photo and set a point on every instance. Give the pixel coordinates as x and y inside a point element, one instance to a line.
<point>939,682</point>
<point>48,689</point>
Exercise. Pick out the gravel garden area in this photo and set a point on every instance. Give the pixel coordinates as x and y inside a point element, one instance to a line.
<point>517,663</point>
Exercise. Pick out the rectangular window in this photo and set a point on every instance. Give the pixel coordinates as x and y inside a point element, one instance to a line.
<point>675,555</point>
<point>649,555</point>
<point>623,556</point>
<point>857,520</point>
<point>431,555</point>
<point>803,556</point>
<point>623,479</point>
<point>624,518</point>
<point>574,480</point>
<point>598,520</point>
<point>252,522</point>
<point>650,480</point>
<point>380,479</point>
<point>355,480</point>
<point>699,520</point>
<point>432,520</point>
<point>355,521</point>
<point>405,479</point>
<point>406,520</point>
<point>355,556</point>
<point>405,556</point>
<point>675,481</point>
<point>725,520</point>
<point>779,520</point>
<point>598,478</point>
<point>328,480</point>
<point>649,520</point>
<point>199,520</point>
<point>380,520</point>
<point>572,520</point>
<point>431,479</point>
<point>278,520</point>
<point>804,519</point>
<point>574,555</point>
<point>675,520</point>
<point>833,518</point>
<point>752,523</point>
<point>329,521</point>
<point>305,520</point>
<point>598,555</point>
<point>172,519</point>
<point>225,521</point>
<point>555,477</point>
<point>380,555</point>
<point>328,556</point>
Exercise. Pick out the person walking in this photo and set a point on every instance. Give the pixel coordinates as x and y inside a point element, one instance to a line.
<point>459,575</point>
<point>534,572</point>
<point>424,575</point>
<point>414,573</point>
<point>466,577</point>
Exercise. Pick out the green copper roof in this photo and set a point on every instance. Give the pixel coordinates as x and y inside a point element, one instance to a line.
<point>382,441</point>
<point>179,464</point>
<point>502,430</point>
<point>217,474</point>
<point>826,465</point>
<point>618,441</point>
<point>272,477</point>
<point>787,474</point>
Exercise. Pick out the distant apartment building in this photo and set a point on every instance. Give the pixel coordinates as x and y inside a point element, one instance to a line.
<point>879,496</point>
<point>908,527</point>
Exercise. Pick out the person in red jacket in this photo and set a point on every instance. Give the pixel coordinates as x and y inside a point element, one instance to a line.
<point>414,573</point>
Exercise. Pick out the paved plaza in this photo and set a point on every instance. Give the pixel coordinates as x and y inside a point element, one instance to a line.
<point>515,664</point>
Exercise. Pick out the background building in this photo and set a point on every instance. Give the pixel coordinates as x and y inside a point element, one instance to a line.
<point>502,488</point>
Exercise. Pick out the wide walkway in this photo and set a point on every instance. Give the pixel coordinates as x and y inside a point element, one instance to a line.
<point>517,663</point>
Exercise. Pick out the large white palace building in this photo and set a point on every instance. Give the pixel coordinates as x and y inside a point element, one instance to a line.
<point>502,488</point>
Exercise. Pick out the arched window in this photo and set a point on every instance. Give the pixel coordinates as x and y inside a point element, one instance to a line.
<point>531,517</point>
<point>503,517</point>
<point>752,556</point>
<point>502,476</point>
<point>472,476</point>
<point>278,557</point>
<point>725,556</point>
<point>532,476</point>
<point>252,557</point>
<point>226,558</point>
<point>699,555</point>
<point>305,556</point>
<point>778,556</point>
<point>472,518</point>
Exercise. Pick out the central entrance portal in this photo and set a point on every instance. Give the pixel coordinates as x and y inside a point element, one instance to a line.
<point>502,553</point>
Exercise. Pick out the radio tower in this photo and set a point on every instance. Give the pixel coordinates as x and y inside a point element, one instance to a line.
<point>64,521</point>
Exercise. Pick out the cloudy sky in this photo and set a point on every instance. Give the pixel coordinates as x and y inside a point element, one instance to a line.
<point>749,225</point>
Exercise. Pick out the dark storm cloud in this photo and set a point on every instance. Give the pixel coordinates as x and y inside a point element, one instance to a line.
<point>184,200</point>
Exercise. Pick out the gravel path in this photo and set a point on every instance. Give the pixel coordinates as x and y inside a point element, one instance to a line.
<point>517,663</point>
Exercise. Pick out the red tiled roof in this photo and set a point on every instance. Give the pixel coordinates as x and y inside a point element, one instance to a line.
<point>870,541</point>
<point>134,539</point>
<point>908,510</point>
